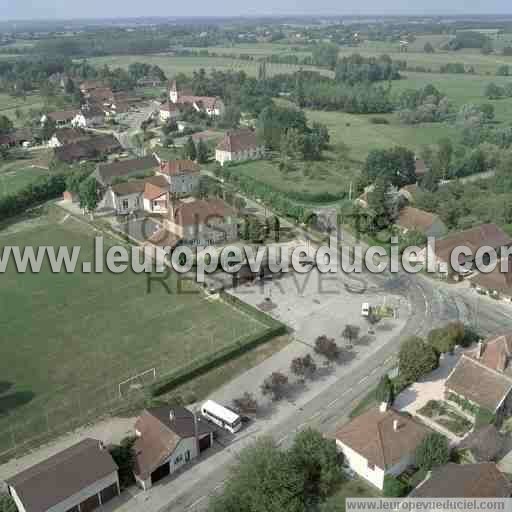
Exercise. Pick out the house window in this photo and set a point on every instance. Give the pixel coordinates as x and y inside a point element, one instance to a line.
<point>125,204</point>
<point>187,456</point>
<point>371,466</point>
<point>179,459</point>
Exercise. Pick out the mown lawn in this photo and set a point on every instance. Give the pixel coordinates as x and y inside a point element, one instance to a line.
<point>69,339</point>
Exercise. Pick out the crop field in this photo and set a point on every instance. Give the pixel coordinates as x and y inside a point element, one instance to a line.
<point>172,65</point>
<point>482,63</point>
<point>258,49</point>
<point>68,339</point>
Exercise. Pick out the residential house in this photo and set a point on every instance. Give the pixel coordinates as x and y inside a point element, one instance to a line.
<point>156,195</point>
<point>380,442</point>
<point>482,480</point>
<point>183,176</point>
<point>78,479</point>
<point>482,445</point>
<point>484,235</point>
<point>238,145</point>
<point>66,136</point>
<point>106,172</point>
<point>60,118</point>
<point>213,107</point>
<point>168,110</point>
<point>58,79</point>
<point>168,438</point>
<point>414,219</point>
<point>87,86</point>
<point>123,198</point>
<point>481,384</point>
<point>93,148</point>
<point>90,115</point>
<point>201,221</point>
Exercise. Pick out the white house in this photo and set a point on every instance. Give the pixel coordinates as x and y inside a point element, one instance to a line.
<point>168,110</point>
<point>380,442</point>
<point>239,145</point>
<point>167,440</point>
<point>212,106</point>
<point>78,479</point>
<point>123,198</point>
<point>60,118</point>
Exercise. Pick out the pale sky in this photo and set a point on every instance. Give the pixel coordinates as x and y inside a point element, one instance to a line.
<point>66,9</point>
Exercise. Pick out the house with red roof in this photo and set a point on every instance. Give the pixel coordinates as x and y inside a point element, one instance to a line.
<point>182,176</point>
<point>239,145</point>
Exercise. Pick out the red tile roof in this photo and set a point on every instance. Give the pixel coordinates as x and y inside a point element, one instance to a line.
<point>415,219</point>
<point>238,140</point>
<point>193,211</point>
<point>373,436</point>
<point>176,167</point>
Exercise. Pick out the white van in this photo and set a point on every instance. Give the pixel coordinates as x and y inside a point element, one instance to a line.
<point>365,309</point>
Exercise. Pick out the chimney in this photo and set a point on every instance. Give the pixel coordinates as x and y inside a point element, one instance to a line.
<point>171,414</point>
<point>395,425</point>
<point>479,350</point>
<point>101,446</point>
<point>383,407</point>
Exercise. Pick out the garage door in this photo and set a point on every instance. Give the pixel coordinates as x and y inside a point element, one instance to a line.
<point>205,443</point>
<point>90,504</point>
<point>160,473</point>
<point>108,493</point>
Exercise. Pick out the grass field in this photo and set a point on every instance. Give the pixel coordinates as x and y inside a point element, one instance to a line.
<point>9,105</point>
<point>482,63</point>
<point>258,49</point>
<point>69,339</point>
<point>16,174</point>
<point>172,65</point>
<point>330,175</point>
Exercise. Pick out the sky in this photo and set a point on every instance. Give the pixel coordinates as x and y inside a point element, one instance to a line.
<point>67,9</point>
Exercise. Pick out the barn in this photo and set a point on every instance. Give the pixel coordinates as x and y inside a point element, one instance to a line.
<point>78,479</point>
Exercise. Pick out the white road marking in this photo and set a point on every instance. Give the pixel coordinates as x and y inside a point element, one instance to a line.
<point>332,403</point>
<point>196,502</point>
<point>363,379</point>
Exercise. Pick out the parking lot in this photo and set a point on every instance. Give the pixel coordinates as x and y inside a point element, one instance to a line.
<point>316,304</point>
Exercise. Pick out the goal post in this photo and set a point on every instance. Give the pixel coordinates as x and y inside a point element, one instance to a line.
<point>137,382</point>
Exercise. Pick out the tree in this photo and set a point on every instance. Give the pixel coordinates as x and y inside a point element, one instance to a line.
<point>432,452</point>
<point>88,195</point>
<point>488,111</point>
<point>385,391</point>
<point>351,333</point>
<point>277,228</point>
<point>7,504</point>
<point>231,117</point>
<point>325,54</point>
<point>316,458</point>
<point>124,457</point>
<point>416,358</point>
<point>428,48</point>
<point>275,385</point>
<point>263,479</point>
<point>327,347</point>
<point>299,90</point>
<point>246,403</point>
<point>189,150</point>
<point>303,366</point>
<point>493,91</point>
<point>445,339</point>
<point>396,165</point>
<point>202,152</point>
<point>69,87</point>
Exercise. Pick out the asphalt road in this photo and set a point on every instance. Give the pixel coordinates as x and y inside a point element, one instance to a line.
<point>432,304</point>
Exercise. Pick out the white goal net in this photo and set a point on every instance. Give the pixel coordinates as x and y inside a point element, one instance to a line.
<point>136,383</point>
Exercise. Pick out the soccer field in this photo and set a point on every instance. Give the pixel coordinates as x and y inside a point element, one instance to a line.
<point>68,340</point>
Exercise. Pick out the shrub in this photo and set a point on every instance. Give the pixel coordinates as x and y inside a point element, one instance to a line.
<point>275,385</point>
<point>416,359</point>
<point>303,366</point>
<point>432,452</point>
<point>124,457</point>
<point>379,120</point>
<point>394,488</point>
<point>246,403</point>
<point>327,347</point>
<point>484,417</point>
<point>385,391</point>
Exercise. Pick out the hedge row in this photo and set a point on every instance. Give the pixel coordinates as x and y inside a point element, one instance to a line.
<point>43,189</point>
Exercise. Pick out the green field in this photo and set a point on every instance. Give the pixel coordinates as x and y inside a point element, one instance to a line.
<point>9,105</point>
<point>172,65</point>
<point>69,339</point>
<point>258,49</point>
<point>16,174</point>
<point>482,63</point>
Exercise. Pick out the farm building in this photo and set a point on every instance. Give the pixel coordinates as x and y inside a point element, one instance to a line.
<point>78,479</point>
